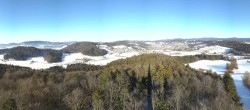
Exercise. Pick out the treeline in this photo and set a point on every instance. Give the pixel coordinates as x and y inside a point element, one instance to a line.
<point>238,48</point>
<point>50,55</point>
<point>121,85</point>
<point>193,58</point>
<point>83,67</point>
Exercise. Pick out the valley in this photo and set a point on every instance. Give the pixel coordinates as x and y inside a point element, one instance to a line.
<point>104,54</point>
<point>123,50</point>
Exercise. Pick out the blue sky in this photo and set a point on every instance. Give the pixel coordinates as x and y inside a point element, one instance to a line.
<point>110,20</point>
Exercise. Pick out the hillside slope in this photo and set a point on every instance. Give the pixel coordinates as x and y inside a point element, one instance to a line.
<point>86,48</point>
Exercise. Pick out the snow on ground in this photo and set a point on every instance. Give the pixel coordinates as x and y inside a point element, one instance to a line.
<point>119,46</point>
<point>37,59</point>
<point>35,65</point>
<point>1,57</point>
<point>209,50</point>
<point>243,66</point>
<point>150,43</point>
<point>69,58</point>
<point>119,52</point>
<point>215,49</point>
<point>218,66</point>
<point>237,56</point>
<point>242,90</point>
<point>112,57</point>
<point>104,61</point>
<point>181,53</point>
<point>122,51</point>
<point>103,47</point>
<point>59,48</point>
<point>129,54</point>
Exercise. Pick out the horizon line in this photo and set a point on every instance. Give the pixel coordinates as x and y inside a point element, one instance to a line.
<point>9,42</point>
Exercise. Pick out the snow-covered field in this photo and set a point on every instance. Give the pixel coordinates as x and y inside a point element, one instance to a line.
<point>243,66</point>
<point>219,66</point>
<point>34,63</point>
<point>69,58</point>
<point>181,53</point>
<point>74,57</point>
<point>114,53</point>
<point>119,46</point>
<point>1,57</point>
<point>207,50</point>
<point>37,59</point>
<point>215,49</point>
<point>112,57</point>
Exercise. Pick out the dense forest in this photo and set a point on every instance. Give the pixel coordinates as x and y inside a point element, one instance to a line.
<point>193,58</point>
<point>128,84</point>
<point>50,55</point>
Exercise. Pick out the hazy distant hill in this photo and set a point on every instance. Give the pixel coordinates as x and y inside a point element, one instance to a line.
<point>37,44</point>
<point>224,39</point>
<point>208,39</point>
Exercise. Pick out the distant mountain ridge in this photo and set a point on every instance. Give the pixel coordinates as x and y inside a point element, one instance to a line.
<point>56,45</point>
<point>38,44</point>
<point>210,39</point>
<point>53,51</point>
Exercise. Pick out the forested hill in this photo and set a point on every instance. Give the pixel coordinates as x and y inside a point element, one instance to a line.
<point>24,53</point>
<point>121,85</point>
<point>21,53</point>
<point>86,48</point>
<point>50,55</point>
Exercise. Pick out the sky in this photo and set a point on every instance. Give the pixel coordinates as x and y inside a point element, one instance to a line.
<point>111,20</point>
